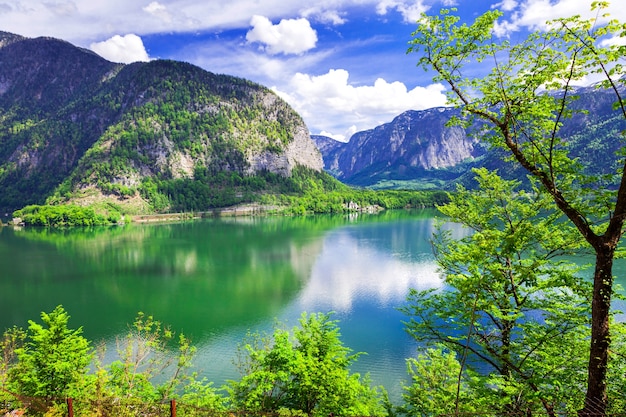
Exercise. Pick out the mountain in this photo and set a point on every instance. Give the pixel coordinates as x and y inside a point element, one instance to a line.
<point>73,124</point>
<point>418,149</point>
<point>415,145</point>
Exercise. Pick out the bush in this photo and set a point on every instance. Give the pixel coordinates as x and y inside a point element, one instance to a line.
<point>53,363</point>
<point>306,371</point>
<point>63,215</point>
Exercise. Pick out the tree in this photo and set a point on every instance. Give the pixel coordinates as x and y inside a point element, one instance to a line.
<point>54,360</point>
<point>145,358</point>
<point>514,312</point>
<point>435,385</point>
<point>308,373</point>
<point>147,373</point>
<point>12,339</point>
<point>525,97</point>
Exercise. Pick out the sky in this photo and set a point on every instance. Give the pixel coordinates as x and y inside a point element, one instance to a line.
<point>342,64</point>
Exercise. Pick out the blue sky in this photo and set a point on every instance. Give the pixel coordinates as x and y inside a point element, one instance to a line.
<point>342,64</point>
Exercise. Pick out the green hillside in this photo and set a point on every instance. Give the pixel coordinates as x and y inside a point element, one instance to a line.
<point>77,128</point>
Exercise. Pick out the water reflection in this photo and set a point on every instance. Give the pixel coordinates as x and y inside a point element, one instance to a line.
<point>216,280</point>
<point>377,267</point>
<point>362,272</point>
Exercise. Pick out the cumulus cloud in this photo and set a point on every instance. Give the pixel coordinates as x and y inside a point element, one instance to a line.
<point>290,36</point>
<point>124,49</point>
<point>340,137</point>
<point>331,103</point>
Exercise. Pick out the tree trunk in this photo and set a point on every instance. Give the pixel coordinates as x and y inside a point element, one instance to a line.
<point>596,398</point>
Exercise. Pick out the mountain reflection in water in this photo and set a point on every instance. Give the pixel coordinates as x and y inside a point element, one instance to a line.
<point>215,280</point>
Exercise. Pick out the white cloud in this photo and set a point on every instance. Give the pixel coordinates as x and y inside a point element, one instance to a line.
<point>505,5</point>
<point>331,103</point>
<point>504,28</point>
<point>614,41</point>
<point>533,14</point>
<point>411,11</point>
<point>330,16</point>
<point>338,137</point>
<point>155,8</point>
<point>290,36</point>
<point>124,49</point>
<point>159,11</point>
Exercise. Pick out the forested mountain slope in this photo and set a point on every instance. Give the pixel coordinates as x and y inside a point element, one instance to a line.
<point>73,124</point>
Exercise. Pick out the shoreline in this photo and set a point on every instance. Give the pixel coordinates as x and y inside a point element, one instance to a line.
<point>240,210</point>
<point>233,211</point>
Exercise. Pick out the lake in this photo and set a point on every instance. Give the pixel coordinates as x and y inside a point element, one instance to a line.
<point>217,279</point>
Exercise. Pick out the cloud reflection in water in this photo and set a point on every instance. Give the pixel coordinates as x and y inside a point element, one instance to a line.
<point>349,269</point>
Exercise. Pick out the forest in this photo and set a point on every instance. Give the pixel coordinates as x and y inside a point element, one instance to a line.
<point>305,191</point>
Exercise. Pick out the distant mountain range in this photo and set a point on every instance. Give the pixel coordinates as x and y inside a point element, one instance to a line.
<point>417,150</point>
<point>73,124</point>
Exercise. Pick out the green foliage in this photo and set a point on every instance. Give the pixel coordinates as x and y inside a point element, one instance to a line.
<point>524,97</point>
<point>143,357</point>
<point>12,340</point>
<point>307,373</point>
<point>199,395</point>
<point>617,367</point>
<point>514,310</point>
<point>436,383</point>
<point>308,191</point>
<point>64,215</point>
<point>302,373</point>
<point>304,191</point>
<point>54,361</point>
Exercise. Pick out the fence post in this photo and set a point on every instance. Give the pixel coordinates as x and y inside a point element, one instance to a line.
<point>70,407</point>
<point>172,408</point>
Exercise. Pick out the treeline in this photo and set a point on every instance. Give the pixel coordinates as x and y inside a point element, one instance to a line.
<point>305,191</point>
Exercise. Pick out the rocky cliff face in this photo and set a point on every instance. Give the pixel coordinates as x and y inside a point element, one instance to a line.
<point>69,116</point>
<point>300,151</point>
<point>415,141</point>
